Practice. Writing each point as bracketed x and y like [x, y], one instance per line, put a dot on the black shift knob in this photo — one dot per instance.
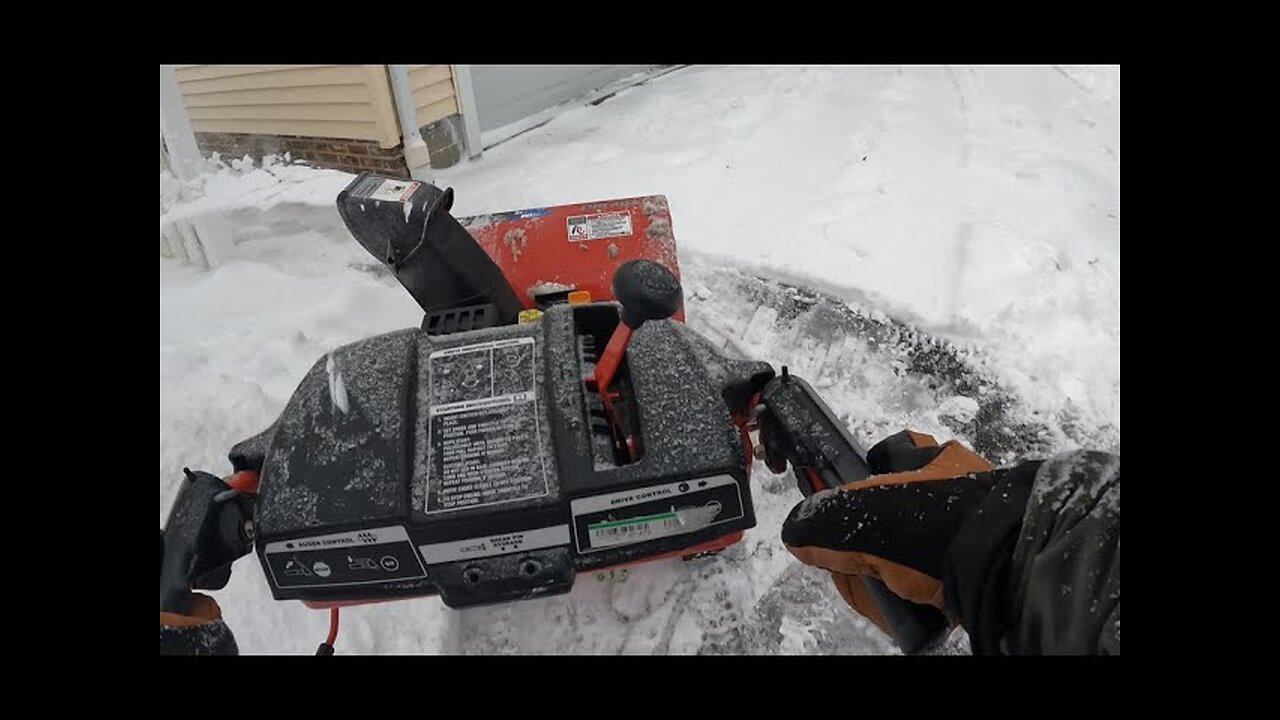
[647, 291]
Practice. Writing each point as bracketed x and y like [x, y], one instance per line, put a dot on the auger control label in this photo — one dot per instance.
[635, 516]
[485, 435]
[352, 558]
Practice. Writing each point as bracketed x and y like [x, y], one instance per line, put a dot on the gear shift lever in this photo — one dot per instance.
[647, 291]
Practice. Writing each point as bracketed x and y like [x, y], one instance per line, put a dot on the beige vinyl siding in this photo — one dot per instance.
[433, 93]
[330, 101]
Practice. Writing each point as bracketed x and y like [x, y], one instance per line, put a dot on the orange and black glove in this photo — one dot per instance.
[197, 631]
[937, 524]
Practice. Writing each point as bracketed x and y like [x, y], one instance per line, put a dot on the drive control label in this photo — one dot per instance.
[635, 516]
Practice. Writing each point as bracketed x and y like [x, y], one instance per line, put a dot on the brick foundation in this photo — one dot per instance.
[353, 156]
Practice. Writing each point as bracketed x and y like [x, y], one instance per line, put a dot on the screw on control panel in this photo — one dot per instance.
[530, 567]
[472, 575]
[248, 530]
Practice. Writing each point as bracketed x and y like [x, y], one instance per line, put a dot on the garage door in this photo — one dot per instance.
[507, 93]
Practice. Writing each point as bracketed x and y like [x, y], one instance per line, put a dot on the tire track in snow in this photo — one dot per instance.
[965, 231]
[1087, 90]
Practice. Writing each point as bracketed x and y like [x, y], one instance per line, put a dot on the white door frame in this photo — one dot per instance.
[466, 95]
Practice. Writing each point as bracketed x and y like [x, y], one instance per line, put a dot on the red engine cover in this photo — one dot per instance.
[576, 246]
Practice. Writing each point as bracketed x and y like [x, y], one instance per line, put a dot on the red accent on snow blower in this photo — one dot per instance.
[245, 481]
[815, 481]
[577, 246]
[612, 355]
[332, 604]
[605, 370]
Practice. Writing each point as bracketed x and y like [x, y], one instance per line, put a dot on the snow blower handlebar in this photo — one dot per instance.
[798, 428]
[209, 527]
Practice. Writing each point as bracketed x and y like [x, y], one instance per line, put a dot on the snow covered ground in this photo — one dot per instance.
[976, 208]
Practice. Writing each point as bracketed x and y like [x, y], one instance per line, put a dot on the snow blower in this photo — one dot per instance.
[552, 415]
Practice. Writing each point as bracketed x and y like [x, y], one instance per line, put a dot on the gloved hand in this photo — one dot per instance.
[199, 631]
[906, 525]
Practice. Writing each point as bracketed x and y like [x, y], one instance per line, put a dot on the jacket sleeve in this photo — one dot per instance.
[1036, 570]
[1066, 565]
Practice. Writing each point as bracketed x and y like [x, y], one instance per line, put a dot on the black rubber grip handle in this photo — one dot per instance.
[647, 291]
[914, 627]
[806, 431]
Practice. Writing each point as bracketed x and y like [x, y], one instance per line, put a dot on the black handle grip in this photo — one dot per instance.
[804, 430]
[647, 291]
[914, 627]
[205, 533]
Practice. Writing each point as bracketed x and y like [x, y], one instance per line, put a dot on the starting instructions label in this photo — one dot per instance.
[486, 442]
[599, 225]
[635, 516]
